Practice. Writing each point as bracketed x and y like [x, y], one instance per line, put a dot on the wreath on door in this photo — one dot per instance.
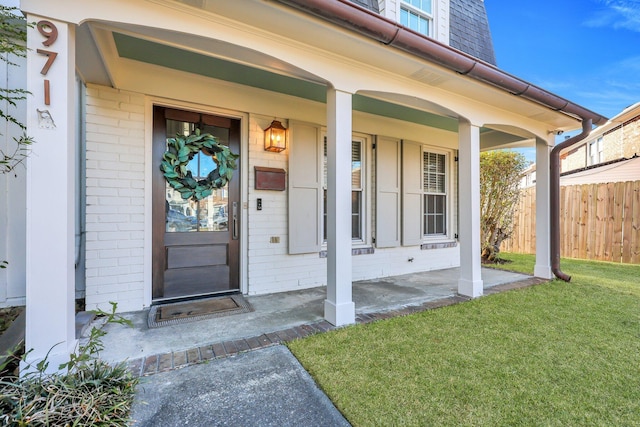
[180, 151]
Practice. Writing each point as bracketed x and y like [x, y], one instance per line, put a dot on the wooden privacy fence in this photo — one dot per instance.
[597, 222]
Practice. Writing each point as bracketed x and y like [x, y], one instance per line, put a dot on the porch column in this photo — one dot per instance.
[470, 282]
[543, 220]
[50, 275]
[339, 308]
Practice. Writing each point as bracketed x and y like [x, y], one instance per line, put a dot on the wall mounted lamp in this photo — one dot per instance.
[275, 137]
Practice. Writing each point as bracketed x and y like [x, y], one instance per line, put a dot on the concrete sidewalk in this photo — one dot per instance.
[231, 371]
[266, 387]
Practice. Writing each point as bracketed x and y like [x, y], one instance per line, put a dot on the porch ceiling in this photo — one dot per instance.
[103, 49]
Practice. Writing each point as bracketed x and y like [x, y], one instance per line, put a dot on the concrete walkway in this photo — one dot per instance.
[231, 371]
[281, 317]
[266, 387]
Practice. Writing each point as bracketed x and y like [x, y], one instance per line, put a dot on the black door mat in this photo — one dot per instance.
[190, 311]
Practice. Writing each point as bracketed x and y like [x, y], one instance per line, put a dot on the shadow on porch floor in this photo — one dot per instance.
[284, 316]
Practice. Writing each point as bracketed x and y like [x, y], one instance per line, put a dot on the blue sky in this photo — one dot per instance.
[587, 51]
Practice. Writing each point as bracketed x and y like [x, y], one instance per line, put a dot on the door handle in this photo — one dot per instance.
[234, 216]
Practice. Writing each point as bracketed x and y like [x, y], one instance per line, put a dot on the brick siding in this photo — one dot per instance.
[115, 185]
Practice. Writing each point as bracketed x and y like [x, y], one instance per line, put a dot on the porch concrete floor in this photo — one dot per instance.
[282, 312]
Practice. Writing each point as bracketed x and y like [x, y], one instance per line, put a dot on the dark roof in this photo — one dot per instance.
[369, 4]
[469, 29]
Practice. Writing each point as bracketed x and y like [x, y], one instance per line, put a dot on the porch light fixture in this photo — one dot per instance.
[275, 137]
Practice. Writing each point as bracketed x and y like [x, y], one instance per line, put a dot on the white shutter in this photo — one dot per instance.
[305, 188]
[411, 193]
[387, 192]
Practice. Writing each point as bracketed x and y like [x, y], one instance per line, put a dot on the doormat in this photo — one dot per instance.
[190, 311]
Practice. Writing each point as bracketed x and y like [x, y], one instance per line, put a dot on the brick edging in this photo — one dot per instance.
[164, 362]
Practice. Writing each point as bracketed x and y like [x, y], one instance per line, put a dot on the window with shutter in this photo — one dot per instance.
[357, 189]
[434, 177]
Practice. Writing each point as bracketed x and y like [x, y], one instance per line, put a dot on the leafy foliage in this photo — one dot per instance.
[180, 151]
[500, 174]
[91, 392]
[13, 43]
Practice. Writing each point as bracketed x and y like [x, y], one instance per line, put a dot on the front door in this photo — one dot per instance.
[195, 244]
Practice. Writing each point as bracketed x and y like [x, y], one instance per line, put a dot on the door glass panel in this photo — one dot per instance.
[209, 214]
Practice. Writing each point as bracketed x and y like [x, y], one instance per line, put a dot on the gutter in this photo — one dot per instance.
[352, 17]
[355, 18]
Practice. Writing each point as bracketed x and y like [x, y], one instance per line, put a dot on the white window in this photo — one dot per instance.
[417, 15]
[595, 151]
[358, 148]
[434, 206]
[427, 213]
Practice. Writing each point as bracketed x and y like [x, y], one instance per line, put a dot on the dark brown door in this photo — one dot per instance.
[195, 244]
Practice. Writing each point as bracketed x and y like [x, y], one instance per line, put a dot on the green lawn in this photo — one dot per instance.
[557, 354]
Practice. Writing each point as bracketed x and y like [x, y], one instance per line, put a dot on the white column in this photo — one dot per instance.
[543, 220]
[50, 275]
[470, 282]
[339, 308]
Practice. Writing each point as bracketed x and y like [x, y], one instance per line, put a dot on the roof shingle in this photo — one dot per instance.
[469, 29]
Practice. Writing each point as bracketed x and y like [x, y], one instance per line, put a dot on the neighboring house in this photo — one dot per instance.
[399, 115]
[618, 139]
[621, 170]
[528, 176]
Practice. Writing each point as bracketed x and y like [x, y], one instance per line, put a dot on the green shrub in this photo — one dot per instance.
[90, 392]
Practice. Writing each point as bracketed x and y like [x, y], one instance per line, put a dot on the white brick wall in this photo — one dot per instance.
[272, 269]
[115, 198]
[115, 215]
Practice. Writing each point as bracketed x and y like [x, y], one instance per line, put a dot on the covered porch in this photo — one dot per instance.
[284, 316]
[329, 84]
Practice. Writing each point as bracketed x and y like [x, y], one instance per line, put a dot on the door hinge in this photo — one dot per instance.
[373, 146]
[455, 159]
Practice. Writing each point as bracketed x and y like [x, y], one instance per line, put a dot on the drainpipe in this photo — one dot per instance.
[554, 208]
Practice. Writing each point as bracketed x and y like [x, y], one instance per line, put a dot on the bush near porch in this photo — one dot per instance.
[553, 354]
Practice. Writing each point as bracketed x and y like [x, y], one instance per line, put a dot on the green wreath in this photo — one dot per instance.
[180, 151]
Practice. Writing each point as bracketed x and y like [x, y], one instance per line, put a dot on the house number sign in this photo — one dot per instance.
[50, 33]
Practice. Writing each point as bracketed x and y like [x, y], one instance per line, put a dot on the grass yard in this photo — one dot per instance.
[557, 354]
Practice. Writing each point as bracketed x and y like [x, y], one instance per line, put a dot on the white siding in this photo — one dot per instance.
[12, 195]
[389, 9]
[441, 18]
[115, 198]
